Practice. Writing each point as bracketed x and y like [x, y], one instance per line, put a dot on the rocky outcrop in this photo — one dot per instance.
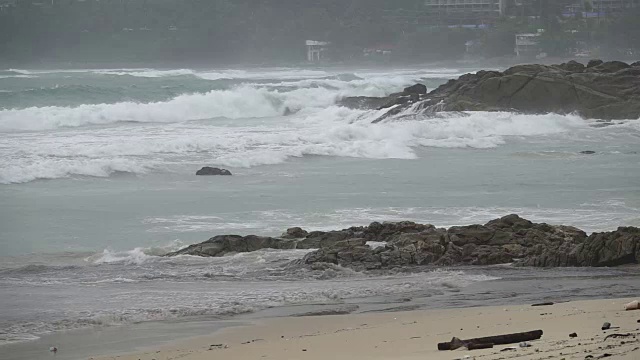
[213, 171]
[409, 95]
[614, 248]
[226, 244]
[510, 239]
[600, 90]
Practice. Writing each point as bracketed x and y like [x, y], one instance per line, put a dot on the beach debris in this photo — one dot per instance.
[218, 346]
[606, 326]
[573, 335]
[587, 152]
[53, 349]
[513, 338]
[252, 341]
[543, 304]
[615, 336]
[474, 346]
[525, 344]
[604, 356]
[510, 348]
[634, 305]
[304, 349]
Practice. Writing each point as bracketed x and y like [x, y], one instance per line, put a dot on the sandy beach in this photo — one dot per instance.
[415, 335]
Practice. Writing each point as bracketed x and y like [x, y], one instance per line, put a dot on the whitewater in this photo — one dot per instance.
[97, 182]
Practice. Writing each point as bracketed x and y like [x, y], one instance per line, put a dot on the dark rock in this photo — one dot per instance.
[419, 89]
[588, 152]
[573, 335]
[594, 63]
[228, 244]
[320, 239]
[610, 249]
[510, 239]
[609, 67]
[213, 171]
[572, 66]
[295, 233]
[607, 90]
[363, 102]
[606, 326]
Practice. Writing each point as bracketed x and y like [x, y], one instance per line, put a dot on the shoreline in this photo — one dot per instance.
[415, 334]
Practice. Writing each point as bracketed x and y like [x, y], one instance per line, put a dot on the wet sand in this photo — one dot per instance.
[415, 335]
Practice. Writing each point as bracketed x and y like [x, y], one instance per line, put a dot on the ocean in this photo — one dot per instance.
[97, 182]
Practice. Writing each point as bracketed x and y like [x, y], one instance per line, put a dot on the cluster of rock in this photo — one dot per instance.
[510, 239]
[599, 90]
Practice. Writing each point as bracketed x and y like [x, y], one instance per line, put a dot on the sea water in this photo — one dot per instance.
[97, 182]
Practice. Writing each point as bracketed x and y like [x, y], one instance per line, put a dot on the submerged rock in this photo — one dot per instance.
[213, 171]
[510, 239]
[601, 90]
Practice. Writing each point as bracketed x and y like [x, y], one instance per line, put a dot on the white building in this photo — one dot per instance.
[315, 49]
[597, 8]
[477, 7]
[528, 45]
[613, 5]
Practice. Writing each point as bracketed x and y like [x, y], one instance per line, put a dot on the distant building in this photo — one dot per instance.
[528, 45]
[470, 7]
[461, 13]
[599, 8]
[315, 50]
[378, 51]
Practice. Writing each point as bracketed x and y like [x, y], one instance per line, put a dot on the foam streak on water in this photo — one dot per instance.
[134, 286]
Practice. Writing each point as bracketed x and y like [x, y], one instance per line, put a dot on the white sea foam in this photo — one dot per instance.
[332, 131]
[54, 168]
[148, 73]
[142, 303]
[136, 256]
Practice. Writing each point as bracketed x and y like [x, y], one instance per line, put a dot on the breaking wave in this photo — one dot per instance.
[332, 131]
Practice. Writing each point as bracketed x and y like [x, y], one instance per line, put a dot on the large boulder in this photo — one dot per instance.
[209, 171]
[419, 89]
[601, 90]
[610, 249]
[594, 63]
[295, 233]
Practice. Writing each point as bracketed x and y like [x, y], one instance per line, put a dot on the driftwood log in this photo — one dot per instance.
[479, 346]
[514, 338]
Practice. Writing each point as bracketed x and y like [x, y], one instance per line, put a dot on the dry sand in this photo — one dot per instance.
[415, 335]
